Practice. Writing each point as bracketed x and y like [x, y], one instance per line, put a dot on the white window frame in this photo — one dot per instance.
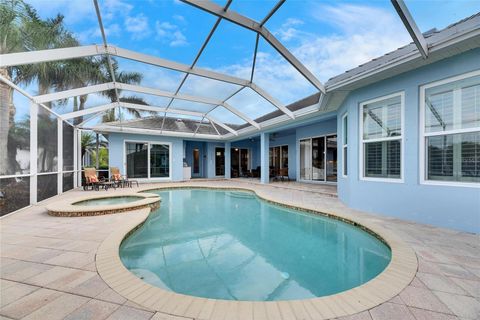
[423, 135]
[344, 145]
[149, 143]
[361, 171]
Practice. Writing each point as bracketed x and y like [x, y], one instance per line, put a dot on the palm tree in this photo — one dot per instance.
[122, 77]
[89, 140]
[21, 29]
[77, 73]
[12, 14]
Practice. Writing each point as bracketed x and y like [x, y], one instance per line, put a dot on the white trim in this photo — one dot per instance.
[33, 152]
[361, 172]
[153, 132]
[422, 134]
[16, 176]
[84, 112]
[344, 145]
[48, 173]
[75, 157]
[73, 92]
[411, 26]
[79, 157]
[149, 143]
[60, 156]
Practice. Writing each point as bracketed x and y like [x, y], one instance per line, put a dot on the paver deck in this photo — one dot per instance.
[48, 268]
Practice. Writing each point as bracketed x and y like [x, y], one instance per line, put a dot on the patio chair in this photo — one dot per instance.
[117, 178]
[91, 179]
[122, 181]
[283, 173]
[256, 172]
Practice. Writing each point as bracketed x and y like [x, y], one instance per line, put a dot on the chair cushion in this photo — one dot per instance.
[117, 176]
[92, 179]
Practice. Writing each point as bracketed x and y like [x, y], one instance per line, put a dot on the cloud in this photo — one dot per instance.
[137, 26]
[361, 33]
[179, 18]
[170, 33]
[93, 35]
[113, 9]
[288, 30]
[74, 11]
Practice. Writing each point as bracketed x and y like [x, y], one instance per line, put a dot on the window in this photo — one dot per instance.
[147, 160]
[381, 135]
[345, 145]
[450, 141]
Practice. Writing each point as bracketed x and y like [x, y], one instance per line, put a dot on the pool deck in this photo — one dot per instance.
[48, 267]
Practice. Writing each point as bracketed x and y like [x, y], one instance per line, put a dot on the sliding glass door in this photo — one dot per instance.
[306, 159]
[219, 161]
[147, 160]
[279, 158]
[318, 158]
[331, 158]
[240, 162]
[159, 161]
[137, 160]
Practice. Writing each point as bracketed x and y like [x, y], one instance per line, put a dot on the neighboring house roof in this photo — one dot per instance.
[172, 124]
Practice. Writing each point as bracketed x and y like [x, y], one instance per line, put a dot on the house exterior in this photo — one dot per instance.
[399, 136]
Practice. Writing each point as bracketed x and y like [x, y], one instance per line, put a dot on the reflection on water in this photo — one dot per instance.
[231, 245]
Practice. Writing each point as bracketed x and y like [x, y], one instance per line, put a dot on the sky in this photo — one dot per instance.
[329, 37]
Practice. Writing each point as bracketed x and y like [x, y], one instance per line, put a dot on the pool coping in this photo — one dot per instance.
[67, 207]
[396, 276]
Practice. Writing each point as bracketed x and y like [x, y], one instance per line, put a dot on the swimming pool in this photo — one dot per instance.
[232, 245]
[107, 201]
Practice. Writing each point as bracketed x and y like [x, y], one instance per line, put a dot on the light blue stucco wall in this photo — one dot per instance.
[446, 206]
[117, 151]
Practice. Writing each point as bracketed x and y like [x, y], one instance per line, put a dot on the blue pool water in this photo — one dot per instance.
[232, 245]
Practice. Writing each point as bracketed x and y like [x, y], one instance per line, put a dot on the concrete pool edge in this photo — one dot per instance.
[396, 276]
[69, 208]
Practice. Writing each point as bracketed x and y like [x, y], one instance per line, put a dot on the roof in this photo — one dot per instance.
[172, 124]
[432, 37]
[190, 125]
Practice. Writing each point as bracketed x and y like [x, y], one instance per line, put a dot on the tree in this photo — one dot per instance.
[12, 14]
[89, 141]
[122, 77]
[21, 29]
[78, 73]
